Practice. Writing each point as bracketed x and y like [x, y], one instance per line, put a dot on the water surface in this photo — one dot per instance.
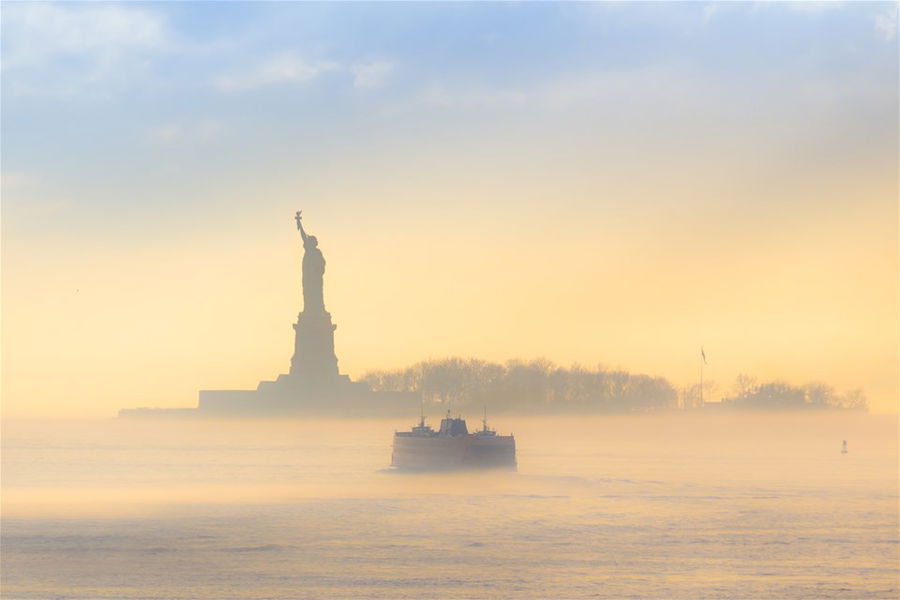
[680, 506]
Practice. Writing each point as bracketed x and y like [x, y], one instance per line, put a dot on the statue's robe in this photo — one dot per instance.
[313, 280]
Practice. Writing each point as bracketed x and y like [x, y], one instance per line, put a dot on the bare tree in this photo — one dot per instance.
[744, 385]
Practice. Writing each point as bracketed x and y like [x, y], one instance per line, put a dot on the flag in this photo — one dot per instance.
[703, 355]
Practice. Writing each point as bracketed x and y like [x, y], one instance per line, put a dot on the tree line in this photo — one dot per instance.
[540, 386]
[777, 395]
[536, 386]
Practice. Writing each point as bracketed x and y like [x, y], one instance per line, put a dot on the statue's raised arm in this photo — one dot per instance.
[298, 217]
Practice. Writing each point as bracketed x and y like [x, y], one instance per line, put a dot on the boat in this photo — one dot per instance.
[452, 447]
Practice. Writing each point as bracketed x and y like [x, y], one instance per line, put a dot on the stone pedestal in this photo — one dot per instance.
[314, 361]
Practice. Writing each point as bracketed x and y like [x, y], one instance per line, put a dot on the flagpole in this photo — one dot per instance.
[701, 377]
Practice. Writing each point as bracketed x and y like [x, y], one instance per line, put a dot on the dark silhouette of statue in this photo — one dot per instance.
[314, 384]
[314, 362]
[313, 271]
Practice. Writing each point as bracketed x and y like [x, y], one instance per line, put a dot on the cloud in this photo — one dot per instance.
[37, 32]
[285, 67]
[566, 90]
[807, 6]
[370, 74]
[72, 49]
[886, 25]
[477, 97]
[199, 131]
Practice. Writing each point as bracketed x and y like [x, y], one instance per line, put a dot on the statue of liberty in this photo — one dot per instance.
[313, 271]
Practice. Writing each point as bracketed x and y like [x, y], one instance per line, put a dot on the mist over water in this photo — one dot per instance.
[666, 506]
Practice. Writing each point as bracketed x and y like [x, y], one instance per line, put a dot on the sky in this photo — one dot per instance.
[593, 183]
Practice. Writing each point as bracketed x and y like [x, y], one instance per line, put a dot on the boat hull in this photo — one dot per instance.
[441, 453]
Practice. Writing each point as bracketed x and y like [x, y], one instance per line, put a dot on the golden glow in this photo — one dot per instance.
[799, 285]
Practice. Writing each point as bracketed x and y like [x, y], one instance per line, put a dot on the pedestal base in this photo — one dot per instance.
[314, 361]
